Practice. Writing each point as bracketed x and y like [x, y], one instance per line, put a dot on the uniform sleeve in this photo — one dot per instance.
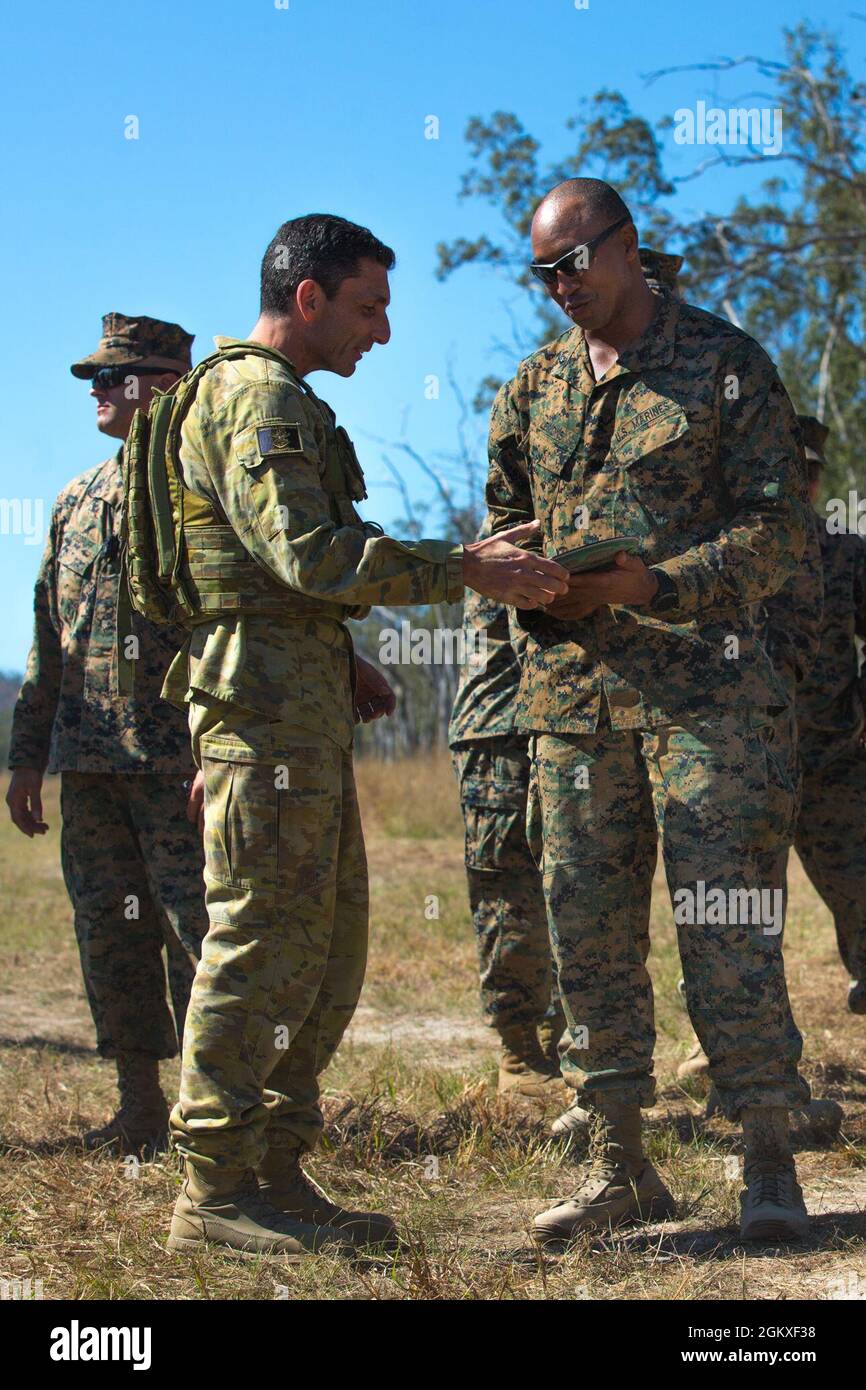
[795, 613]
[265, 456]
[35, 708]
[508, 492]
[759, 455]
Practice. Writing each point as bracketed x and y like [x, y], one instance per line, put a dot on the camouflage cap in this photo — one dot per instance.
[137, 341]
[814, 437]
[660, 267]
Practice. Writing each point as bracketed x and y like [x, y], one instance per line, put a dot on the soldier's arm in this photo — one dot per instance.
[35, 708]
[794, 614]
[759, 454]
[265, 457]
[508, 492]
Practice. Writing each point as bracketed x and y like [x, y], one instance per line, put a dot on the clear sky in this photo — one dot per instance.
[250, 113]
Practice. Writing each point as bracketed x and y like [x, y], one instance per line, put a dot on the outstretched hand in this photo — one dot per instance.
[498, 568]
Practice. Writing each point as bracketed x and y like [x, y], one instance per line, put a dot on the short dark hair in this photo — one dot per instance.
[316, 247]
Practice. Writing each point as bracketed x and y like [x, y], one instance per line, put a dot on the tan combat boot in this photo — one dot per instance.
[224, 1206]
[771, 1203]
[288, 1189]
[619, 1186]
[574, 1123]
[523, 1068]
[697, 1064]
[141, 1121]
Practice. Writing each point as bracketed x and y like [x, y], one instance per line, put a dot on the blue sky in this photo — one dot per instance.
[249, 114]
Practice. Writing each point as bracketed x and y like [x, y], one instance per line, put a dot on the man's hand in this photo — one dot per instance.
[24, 799]
[625, 581]
[195, 802]
[373, 695]
[498, 568]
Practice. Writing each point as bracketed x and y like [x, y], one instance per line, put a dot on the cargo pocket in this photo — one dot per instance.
[493, 815]
[241, 819]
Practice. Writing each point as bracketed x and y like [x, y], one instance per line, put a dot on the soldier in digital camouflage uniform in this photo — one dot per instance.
[649, 694]
[519, 996]
[274, 559]
[130, 843]
[831, 828]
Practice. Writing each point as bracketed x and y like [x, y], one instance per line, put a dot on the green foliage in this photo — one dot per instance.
[787, 264]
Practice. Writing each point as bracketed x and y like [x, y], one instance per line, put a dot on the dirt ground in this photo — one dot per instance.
[413, 1123]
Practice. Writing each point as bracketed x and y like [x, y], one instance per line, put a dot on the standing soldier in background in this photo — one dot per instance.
[130, 839]
[831, 829]
[519, 993]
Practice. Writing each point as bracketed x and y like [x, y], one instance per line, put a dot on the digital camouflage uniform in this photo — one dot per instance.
[491, 760]
[278, 559]
[831, 828]
[132, 862]
[658, 717]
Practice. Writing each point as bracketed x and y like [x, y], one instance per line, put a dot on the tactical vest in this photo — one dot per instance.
[183, 562]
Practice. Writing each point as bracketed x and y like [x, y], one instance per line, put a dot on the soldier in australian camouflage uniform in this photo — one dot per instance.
[831, 828]
[519, 995]
[649, 694]
[130, 840]
[275, 559]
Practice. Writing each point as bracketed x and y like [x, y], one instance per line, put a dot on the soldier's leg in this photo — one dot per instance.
[118, 933]
[505, 891]
[292, 1094]
[508, 912]
[784, 785]
[173, 855]
[713, 787]
[597, 838]
[598, 826]
[273, 821]
[831, 842]
[273, 959]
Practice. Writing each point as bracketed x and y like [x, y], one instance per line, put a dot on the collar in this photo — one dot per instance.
[220, 343]
[654, 348]
[107, 483]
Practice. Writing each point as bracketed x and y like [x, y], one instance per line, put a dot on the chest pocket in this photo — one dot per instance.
[77, 563]
[645, 477]
[344, 479]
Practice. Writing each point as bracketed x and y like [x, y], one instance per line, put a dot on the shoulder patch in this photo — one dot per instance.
[279, 439]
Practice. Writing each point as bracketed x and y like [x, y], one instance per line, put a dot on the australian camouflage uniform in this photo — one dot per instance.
[658, 717]
[272, 558]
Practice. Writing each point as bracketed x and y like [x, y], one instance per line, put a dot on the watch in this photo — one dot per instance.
[667, 595]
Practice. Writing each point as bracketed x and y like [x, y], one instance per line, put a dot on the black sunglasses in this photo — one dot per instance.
[106, 378]
[577, 260]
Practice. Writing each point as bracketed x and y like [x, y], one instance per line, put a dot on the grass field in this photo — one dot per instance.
[414, 1126]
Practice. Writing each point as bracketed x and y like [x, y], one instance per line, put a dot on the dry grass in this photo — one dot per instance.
[413, 1123]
